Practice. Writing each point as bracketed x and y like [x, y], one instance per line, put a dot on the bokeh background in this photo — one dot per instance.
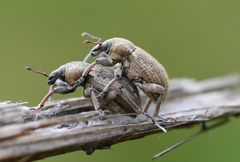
[198, 39]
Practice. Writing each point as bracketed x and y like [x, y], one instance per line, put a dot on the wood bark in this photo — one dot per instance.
[71, 124]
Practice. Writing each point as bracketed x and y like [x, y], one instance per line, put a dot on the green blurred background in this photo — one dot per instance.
[191, 38]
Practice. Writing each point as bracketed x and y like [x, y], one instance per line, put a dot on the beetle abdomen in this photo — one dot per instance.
[143, 66]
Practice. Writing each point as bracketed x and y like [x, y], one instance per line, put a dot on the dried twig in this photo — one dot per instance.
[70, 124]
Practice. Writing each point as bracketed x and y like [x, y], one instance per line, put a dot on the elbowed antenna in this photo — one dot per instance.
[88, 56]
[96, 41]
[92, 42]
[36, 71]
[90, 36]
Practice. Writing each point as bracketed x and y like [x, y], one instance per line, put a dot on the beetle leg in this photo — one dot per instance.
[106, 98]
[118, 75]
[138, 110]
[106, 89]
[158, 104]
[61, 89]
[102, 61]
[88, 69]
[94, 99]
[105, 62]
[44, 100]
[50, 98]
[97, 104]
[64, 89]
[85, 73]
[151, 88]
[146, 106]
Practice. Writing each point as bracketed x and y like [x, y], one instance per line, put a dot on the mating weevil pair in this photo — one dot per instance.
[124, 97]
[134, 63]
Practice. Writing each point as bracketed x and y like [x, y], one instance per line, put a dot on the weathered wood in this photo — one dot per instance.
[71, 124]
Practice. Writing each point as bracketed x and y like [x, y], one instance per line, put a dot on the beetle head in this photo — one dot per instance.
[57, 74]
[69, 72]
[117, 49]
[101, 47]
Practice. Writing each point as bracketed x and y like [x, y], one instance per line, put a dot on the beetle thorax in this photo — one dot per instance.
[73, 71]
[121, 48]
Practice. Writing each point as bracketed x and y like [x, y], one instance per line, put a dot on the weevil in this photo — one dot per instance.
[63, 78]
[123, 98]
[136, 64]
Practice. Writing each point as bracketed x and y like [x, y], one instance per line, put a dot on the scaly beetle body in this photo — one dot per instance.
[137, 65]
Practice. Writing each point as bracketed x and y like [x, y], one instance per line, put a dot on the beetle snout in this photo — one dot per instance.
[95, 51]
[51, 80]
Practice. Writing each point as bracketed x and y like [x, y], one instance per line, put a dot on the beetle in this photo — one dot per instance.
[136, 64]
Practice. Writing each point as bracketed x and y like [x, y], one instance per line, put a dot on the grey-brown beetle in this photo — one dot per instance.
[123, 97]
[137, 65]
